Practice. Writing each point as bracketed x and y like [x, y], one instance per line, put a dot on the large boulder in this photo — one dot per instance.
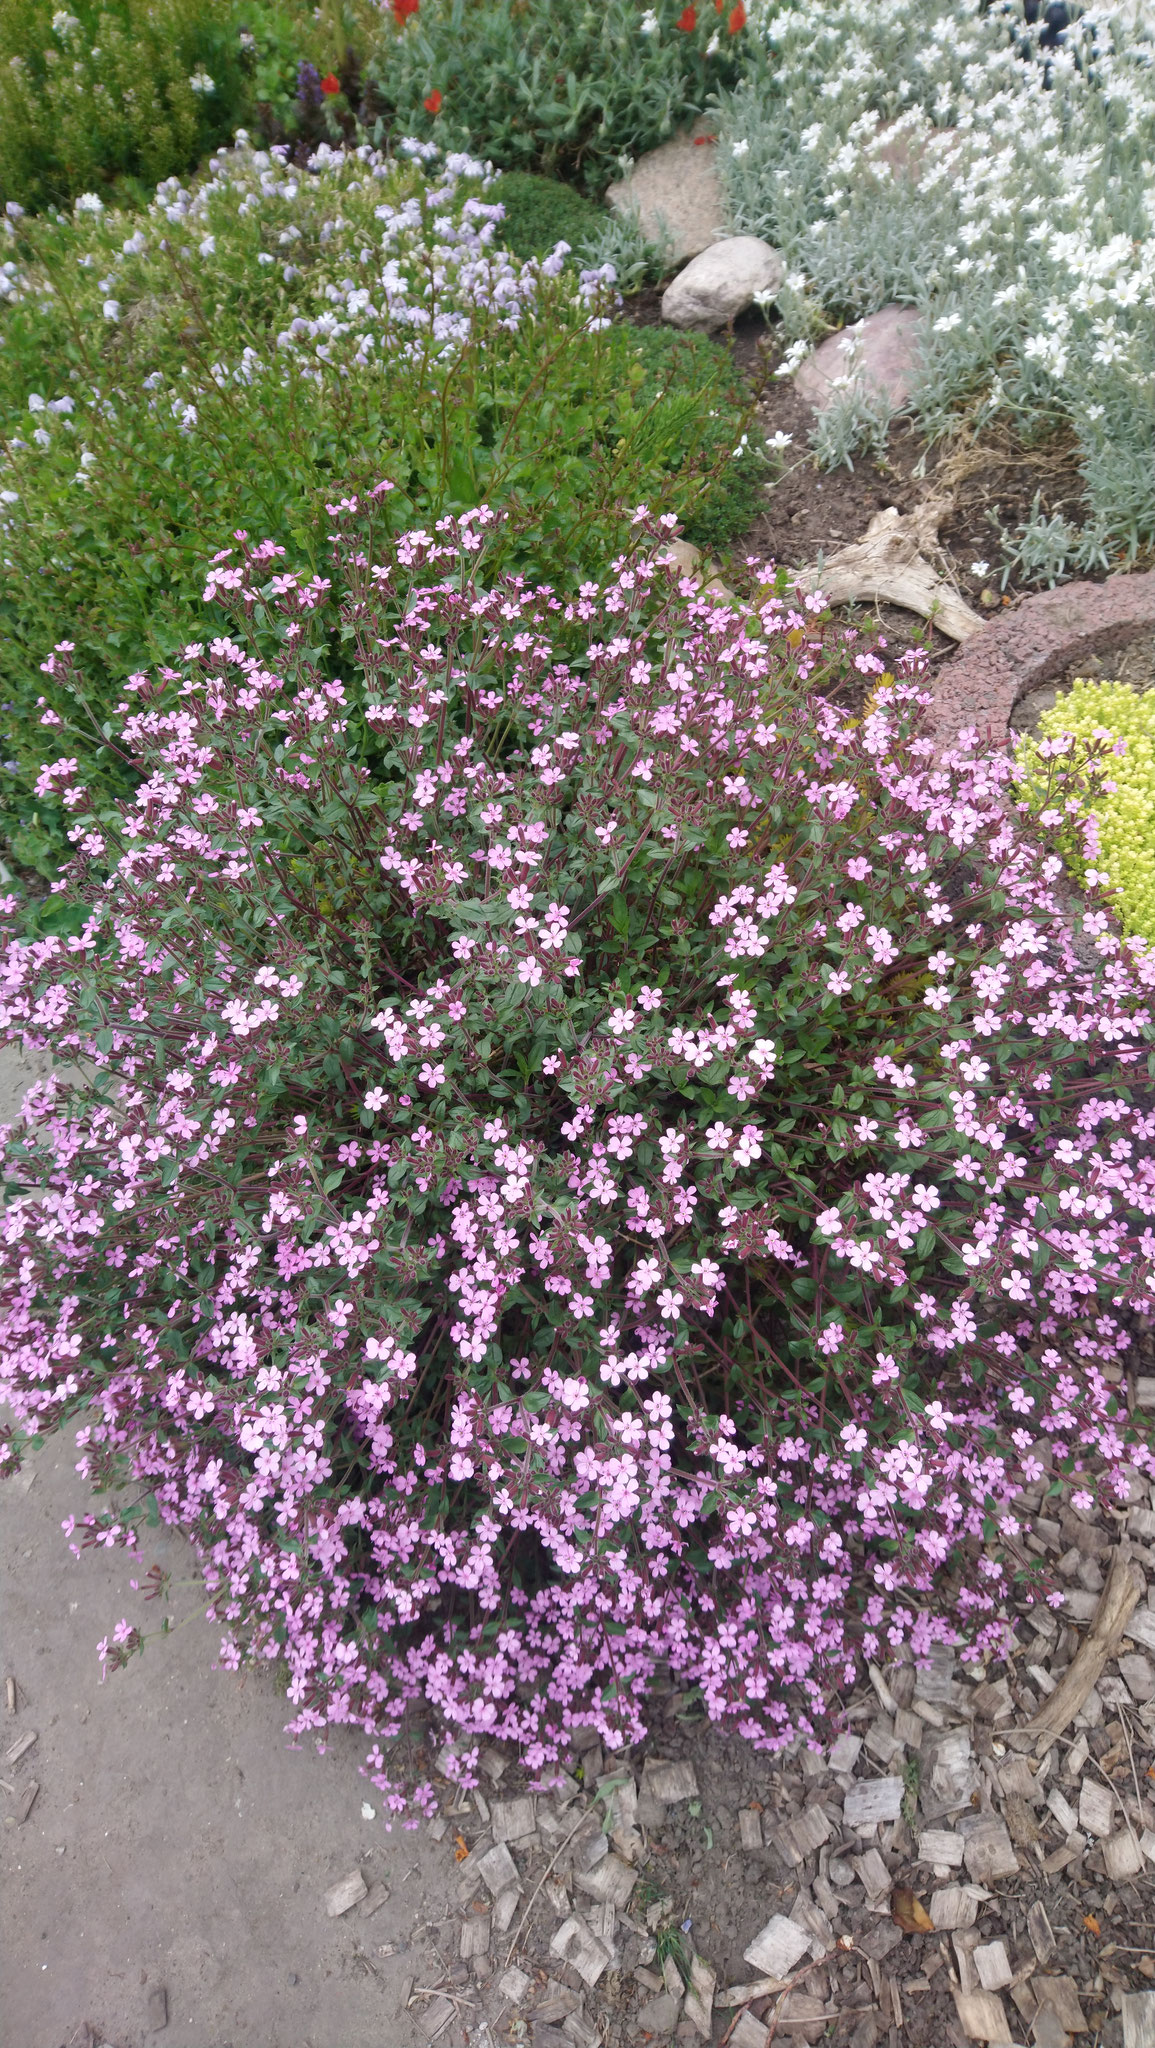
[675, 191]
[721, 282]
[881, 353]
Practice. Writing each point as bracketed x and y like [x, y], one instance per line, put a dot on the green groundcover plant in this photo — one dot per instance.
[576, 88]
[541, 212]
[1104, 732]
[592, 1165]
[998, 177]
[223, 357]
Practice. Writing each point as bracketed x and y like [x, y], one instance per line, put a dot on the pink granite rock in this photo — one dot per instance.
[1040, 639]
[676, 188]
[887, 359]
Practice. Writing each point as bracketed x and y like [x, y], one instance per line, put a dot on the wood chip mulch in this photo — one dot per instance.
[972, 1858]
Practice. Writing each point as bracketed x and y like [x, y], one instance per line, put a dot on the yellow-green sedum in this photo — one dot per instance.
[1112, 730]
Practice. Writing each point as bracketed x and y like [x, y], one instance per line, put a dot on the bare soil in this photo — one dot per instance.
[993, 481]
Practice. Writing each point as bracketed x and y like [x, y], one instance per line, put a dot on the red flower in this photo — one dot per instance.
[402, 9]
[688, 19]
[718, 6]
[433, 103]
[330, 83]
[737, 19]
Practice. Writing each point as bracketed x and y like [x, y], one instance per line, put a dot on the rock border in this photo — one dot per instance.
[1036, 642]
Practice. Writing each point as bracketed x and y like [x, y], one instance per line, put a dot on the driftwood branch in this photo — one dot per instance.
[890, 565]
[1116, 1602]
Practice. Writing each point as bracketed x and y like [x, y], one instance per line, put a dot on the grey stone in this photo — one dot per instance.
[676, 193]
[883, 349]
[721, 282]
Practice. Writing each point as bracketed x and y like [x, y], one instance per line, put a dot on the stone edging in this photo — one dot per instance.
[1042, 638]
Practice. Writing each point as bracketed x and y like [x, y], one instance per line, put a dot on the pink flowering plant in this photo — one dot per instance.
[591, 1161]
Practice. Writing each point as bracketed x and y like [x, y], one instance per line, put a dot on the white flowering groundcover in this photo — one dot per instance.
[947, 159]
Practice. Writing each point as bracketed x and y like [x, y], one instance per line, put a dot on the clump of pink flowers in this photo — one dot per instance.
[594, 1161]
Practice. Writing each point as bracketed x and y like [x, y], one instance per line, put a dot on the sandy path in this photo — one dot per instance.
[176, 1841]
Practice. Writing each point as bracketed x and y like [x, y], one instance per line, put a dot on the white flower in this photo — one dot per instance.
[35, 402]
[112, 309]
[9, 497]
[649, 23]
[740, 149]
[980, 568]
[779, 441]
[88, 202]
[209, 246]
[201, 82]
[64, 24]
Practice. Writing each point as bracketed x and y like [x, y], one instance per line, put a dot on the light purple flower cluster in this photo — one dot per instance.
[597, 1163]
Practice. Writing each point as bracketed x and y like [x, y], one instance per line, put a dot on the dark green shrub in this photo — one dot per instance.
[677, 366]
[570, 88]
[540, 212]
